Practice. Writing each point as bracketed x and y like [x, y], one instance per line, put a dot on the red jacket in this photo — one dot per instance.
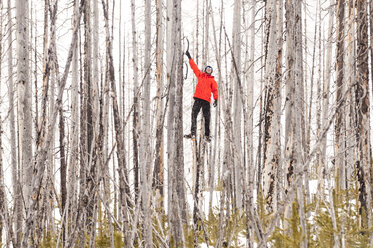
[206, 84]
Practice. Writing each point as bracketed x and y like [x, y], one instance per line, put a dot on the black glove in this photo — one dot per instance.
[188, 54]
[216, 103]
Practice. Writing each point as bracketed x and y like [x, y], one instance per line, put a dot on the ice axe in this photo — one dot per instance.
[186, 74]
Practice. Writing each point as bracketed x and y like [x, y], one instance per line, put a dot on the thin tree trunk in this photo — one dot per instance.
[135, 100]
[236, 33]
[145, 134]
[24, 96]
[289, 94]
[63, 168]
[171, 88]
[310, 104]
[74, 138]
[325, 112]
[158, 177]
[13, 146]
[340, 139]
[2, 184]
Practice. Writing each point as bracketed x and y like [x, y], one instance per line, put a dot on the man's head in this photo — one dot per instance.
[208, 70]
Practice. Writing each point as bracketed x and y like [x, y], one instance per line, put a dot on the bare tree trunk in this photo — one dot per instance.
[340, 138]
[74, 138]
[158, 177]
[293, 112]
[171, 89]
[178, 206]
[250, 78]
[325, 112]
[236, 33]
[363, 133]
[289, 94]
[3, 200]
[24, 96]
[16, 186]
[135, 100]
[63, 169]
[310, 104]
[350, 79]
[271, 126]
[145, 134]
[319, 169]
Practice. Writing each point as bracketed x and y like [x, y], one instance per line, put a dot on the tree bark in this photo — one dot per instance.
[24, 97]
[2, 184]
[74, 138]
[16, 186]
[158, 177]
[171, 89]
[236, 34]
[271, 126]
[135, 100]
[340, 138]
[363, 134]
[145, 134]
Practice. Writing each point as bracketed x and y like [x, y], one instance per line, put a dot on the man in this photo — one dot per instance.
[202, 97]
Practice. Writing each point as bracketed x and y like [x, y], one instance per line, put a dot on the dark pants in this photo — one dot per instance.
[205, 105]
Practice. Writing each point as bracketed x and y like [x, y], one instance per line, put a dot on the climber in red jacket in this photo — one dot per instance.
[202, 97]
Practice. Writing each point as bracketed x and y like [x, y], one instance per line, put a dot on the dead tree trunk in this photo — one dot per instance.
[158, 177]
[16, 186]
[362, 100]
[145, 134]
[271, 114]
[135, 100]
[3, 200]
[236, 33]
[24, 97]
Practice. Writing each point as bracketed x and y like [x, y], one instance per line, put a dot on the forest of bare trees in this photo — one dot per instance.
[96, 97]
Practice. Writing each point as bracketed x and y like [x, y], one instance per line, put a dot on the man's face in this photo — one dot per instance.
[208, 70]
